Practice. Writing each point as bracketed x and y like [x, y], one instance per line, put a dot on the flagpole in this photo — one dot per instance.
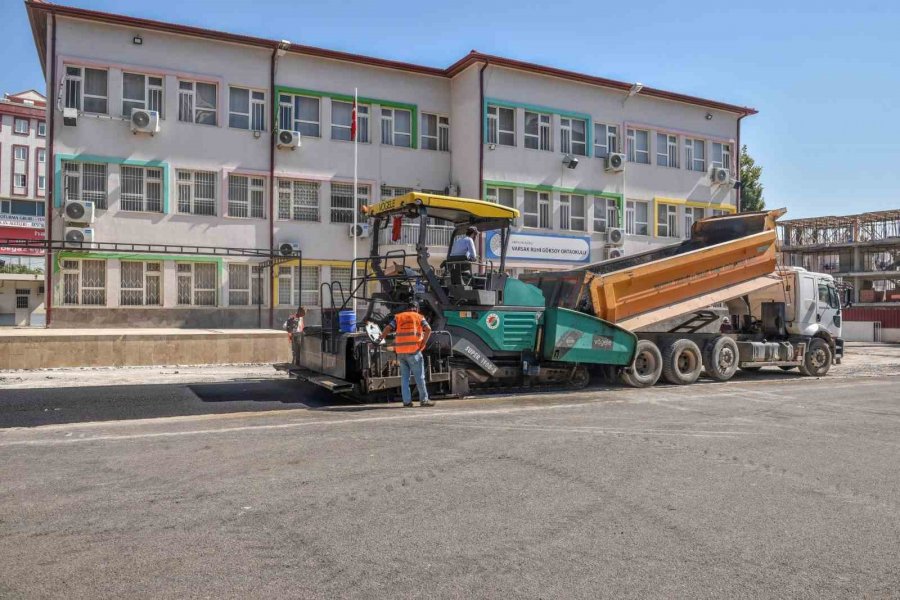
[355, 189]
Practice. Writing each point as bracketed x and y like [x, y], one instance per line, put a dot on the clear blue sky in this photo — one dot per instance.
[823, 74]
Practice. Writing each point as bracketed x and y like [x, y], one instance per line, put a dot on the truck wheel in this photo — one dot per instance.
[682, 362]
[817, 360]
[720, 359]
[581, 377]
[646, 368]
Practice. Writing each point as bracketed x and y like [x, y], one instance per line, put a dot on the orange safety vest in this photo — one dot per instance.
[410, 336]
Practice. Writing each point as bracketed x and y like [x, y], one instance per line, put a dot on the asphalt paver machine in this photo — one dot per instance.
[490, 330]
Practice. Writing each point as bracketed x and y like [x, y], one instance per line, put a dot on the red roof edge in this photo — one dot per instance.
[39, 30]
[501, 61]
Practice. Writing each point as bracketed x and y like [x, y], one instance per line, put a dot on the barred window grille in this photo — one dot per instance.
[84, 282]
[392, 191]
[246, 196]
[310, 294]
[285, 286]
[238, 285]
[85, 181]
[141, 189]
[184, 284]
[197, 192]
[342, 202]
[140, 284]
[298, 200]
[564, 212]
[196, 284]
[205, 284]
[341, 281]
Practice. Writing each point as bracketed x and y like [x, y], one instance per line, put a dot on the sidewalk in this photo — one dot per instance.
[54, 348]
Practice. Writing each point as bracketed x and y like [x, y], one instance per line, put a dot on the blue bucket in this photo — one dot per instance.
[347, 321]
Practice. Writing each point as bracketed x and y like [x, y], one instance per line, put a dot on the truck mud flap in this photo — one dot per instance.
[465, 348]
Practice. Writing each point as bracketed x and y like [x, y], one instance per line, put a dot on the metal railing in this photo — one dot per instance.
[437, 237]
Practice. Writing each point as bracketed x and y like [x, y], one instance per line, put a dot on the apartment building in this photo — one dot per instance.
[23, 189]
[544, 140]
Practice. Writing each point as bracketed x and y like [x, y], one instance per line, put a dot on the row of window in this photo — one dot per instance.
[28, 208]
[301, 113]
[20, 170]
[22, 126]
[537, 135]
[198, 193]
[573, 214]
[86, 89]
[84, 283]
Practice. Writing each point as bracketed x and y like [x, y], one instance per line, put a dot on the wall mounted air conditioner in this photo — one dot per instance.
[144, 121]
[615, 236]
[720, 176]
[612, 253]
[79, 211]
[288, 139]
[70, 117]
[615, 162]
[360, 230]
[79, 237]
[288, 248]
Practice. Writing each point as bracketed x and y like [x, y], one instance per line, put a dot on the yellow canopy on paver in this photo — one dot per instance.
[449, 208]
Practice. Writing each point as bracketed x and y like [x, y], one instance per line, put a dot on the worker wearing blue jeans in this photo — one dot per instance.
[412, 333]
[413, 364]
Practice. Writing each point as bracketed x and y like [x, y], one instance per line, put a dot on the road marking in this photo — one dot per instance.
[602, 430]
[677, 394]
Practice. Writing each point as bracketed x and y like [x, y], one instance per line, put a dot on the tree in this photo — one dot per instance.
[751, 187]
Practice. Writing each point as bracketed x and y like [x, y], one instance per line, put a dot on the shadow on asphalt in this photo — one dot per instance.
[49, 406]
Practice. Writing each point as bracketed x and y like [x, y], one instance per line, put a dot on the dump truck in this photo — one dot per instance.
[715, 302]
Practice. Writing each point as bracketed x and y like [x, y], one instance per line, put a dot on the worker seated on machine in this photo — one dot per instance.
[462, 256]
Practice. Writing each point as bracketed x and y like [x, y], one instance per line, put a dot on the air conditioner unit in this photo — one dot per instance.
[288, 139]
[452, 190]
[360, 230]
[79, 211]
[615, 236]
[615, 162]
[288, 248]
[144, 121]
[70, 117]
[720, 176]
[79, 237]
[612, 253]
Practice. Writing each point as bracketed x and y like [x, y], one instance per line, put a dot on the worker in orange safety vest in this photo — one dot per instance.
[412, 333]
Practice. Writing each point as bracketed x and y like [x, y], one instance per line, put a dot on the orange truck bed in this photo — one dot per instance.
[722, 252]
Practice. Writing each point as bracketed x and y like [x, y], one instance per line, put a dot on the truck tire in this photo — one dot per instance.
[682, 362]
[646, 368]
[817, 360]
[720, 358]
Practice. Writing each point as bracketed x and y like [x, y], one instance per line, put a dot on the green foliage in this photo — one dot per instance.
[21, 270]
[751, 186]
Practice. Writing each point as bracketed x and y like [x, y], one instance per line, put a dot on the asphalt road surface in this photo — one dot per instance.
[783, 487]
